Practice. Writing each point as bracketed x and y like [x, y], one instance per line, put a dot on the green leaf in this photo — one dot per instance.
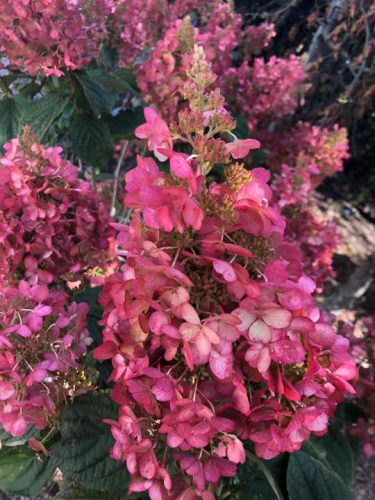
[125, 75]
[24, 472]
[10, 114]
[7, 439]
[91, 95]
[83, 451]
[338, 453]
[268, 489]
[122, 125]
[91, 140]
[41, 114]
[116, 84]
[255, 476]
[76, 491]
[314, 446]
[110, 57]
[311, 479]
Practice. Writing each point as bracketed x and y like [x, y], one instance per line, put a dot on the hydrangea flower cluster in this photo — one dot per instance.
[163, 73]
[272, 92]
[53, 225]
[363, 350]
[54, 231]
[308, 154]
[142, 23]
[41, 338]
[266, 91]
[313, 153]
[210, 324]
[317, 239]
[221, 32]
[47, 36]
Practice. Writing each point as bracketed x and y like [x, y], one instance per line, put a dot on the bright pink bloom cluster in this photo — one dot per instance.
[210, 324]
[266, 90]
[54, 230]
[308, 154]
[317, 238]
[53, 225]
[142, 23]
[363, 350]
[263, 92]
[47, 36]
[41, 339]
[312, 153]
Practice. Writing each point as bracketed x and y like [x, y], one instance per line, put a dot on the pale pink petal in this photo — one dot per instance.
[260, 332]
[203, 344]
[6, 390]
[225, 269]
[277, 317]
[187, 312]
[245, 317]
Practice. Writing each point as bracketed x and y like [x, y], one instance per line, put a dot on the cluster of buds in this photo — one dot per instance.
[163, 73]
[210, 324]
[53, 225]
[41, 338]
[220, 32]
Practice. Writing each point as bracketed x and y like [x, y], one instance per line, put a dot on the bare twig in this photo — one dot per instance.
[116, 178]
[93, 178]
[325, 28]
[364, 62]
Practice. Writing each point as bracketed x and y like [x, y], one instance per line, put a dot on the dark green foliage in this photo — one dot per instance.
[91, 140]
[24, 472]
[10, 114]
[83, 451]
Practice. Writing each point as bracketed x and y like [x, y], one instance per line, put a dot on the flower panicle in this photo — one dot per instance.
[210, 324]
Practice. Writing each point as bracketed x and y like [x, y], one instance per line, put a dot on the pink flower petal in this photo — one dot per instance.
[180, 167]
[6, 390]
[260, 332]
[277, 317]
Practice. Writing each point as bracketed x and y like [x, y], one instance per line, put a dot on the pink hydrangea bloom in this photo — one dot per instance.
[53, 225]
[42, 337]
[48, 36]
[211, 305]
